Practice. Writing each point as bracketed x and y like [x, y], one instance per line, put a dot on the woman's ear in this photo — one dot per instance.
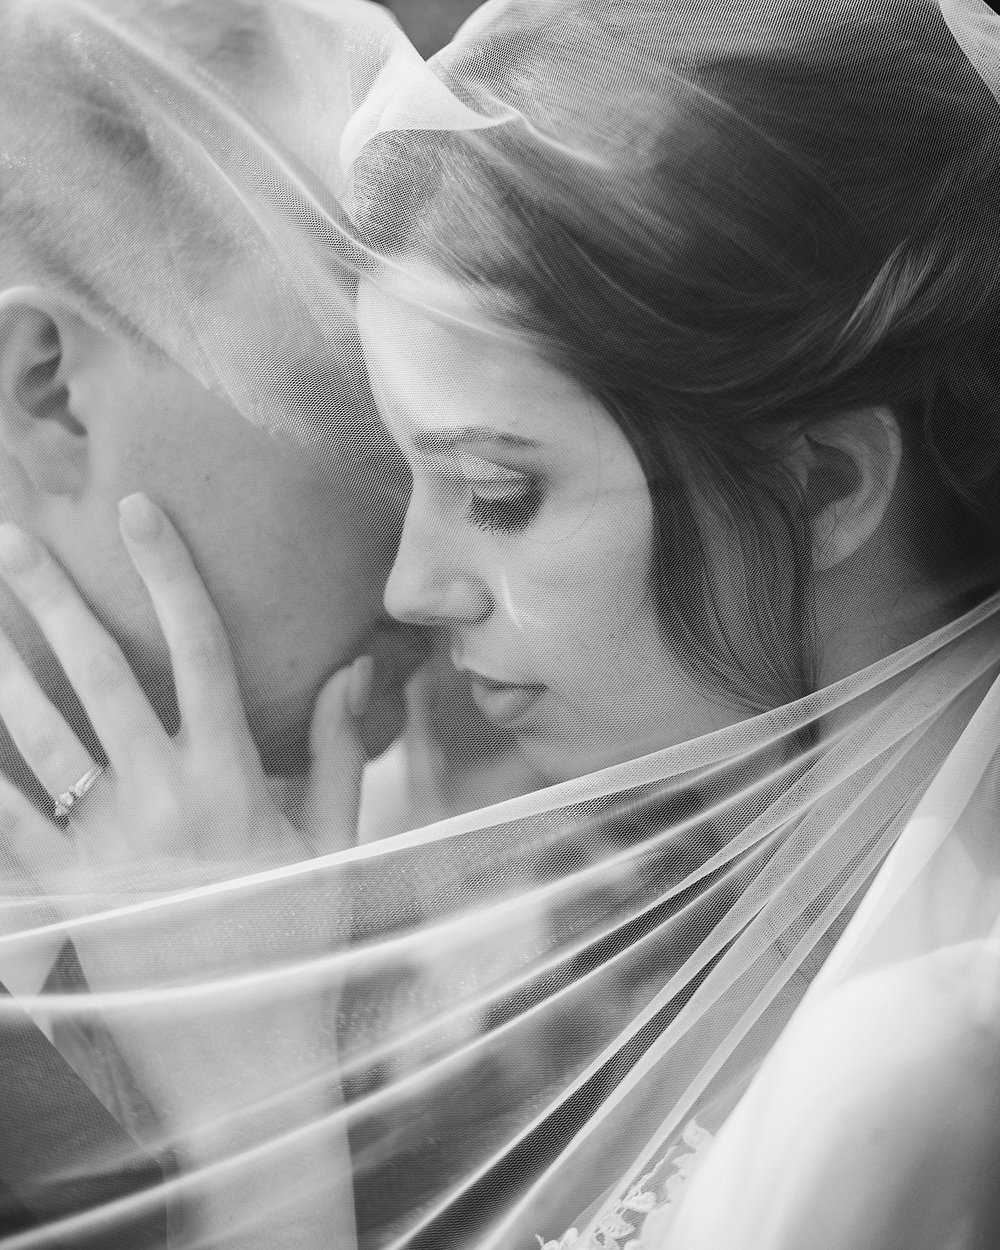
[43, 343]
[847, 468]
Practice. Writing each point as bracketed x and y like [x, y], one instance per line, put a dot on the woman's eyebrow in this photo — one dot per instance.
[439, 441]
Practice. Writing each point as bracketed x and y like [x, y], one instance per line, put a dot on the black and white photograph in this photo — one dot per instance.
[499, 625]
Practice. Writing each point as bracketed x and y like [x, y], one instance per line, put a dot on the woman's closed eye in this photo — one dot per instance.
[500, 498]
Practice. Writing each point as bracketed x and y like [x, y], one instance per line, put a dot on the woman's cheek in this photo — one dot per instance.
[577, 579]
[542, 601]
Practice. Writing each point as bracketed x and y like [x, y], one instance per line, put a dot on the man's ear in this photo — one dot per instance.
[847, 468]
[44, 342]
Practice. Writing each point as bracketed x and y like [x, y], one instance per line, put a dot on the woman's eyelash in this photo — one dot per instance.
[504, 503]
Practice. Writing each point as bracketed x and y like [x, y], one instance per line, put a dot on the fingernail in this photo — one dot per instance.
[141, 519]
[18, 551]
[359, 687]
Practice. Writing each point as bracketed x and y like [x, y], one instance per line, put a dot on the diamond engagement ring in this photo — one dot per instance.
[69, 798]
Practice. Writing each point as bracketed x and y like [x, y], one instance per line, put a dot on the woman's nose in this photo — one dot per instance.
[430, 583]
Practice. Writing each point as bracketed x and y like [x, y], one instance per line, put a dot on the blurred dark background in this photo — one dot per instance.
[431, 23]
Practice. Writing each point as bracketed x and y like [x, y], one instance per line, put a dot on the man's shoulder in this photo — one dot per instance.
[61, 1150]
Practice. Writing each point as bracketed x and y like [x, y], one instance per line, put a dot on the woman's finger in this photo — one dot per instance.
[104, 682]
[49, 747]
[208, 692]
[338, 758]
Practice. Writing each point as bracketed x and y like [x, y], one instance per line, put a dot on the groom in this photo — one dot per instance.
[92, 410]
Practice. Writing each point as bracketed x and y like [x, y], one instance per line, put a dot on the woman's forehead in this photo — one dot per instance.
[449, 371]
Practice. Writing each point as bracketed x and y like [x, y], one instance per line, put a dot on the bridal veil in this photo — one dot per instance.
[549, 998]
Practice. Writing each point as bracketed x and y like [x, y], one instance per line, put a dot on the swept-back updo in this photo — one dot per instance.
[754, 215]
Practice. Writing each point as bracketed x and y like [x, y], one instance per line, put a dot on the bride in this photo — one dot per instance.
[684, 321]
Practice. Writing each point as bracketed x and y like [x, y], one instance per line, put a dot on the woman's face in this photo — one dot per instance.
[528, 539]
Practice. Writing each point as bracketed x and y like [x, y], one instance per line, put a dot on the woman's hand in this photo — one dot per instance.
[225, 1052]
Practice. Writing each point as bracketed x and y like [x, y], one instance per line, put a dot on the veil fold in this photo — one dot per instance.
[552, 1004]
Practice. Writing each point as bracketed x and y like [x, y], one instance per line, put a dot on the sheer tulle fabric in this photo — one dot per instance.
[543, 1001]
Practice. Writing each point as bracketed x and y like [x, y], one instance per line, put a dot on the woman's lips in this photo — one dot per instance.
[502, 701]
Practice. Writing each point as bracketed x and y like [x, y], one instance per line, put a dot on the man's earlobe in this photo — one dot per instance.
[38, 428]
[847, 468]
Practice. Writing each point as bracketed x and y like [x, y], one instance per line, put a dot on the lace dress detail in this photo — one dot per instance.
[639, 1219]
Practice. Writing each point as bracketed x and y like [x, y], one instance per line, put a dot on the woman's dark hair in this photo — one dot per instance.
[786, 211]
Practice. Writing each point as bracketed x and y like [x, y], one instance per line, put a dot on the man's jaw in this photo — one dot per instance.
[398, 651]
[279, 720]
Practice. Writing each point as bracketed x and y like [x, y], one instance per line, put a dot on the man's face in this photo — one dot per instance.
[293, 555]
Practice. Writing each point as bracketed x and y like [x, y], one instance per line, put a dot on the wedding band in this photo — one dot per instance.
[69, 798]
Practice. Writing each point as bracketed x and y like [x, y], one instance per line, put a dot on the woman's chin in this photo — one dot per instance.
[562, 757]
